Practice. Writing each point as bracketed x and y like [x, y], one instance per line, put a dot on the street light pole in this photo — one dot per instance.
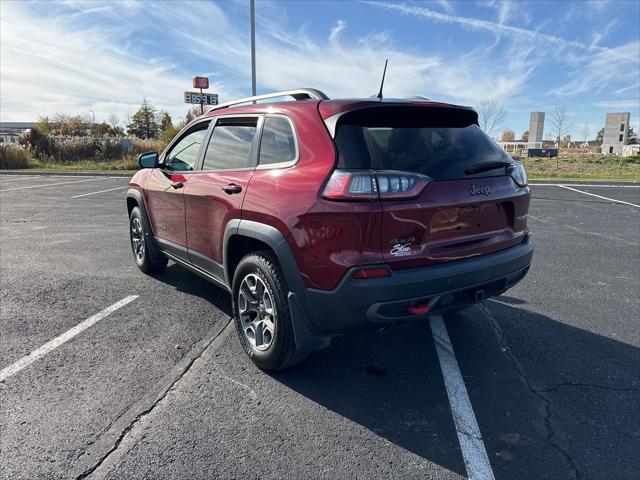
[93, 119]
[253, 47]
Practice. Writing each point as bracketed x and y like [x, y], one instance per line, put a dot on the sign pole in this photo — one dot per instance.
[253, 48]
[192, 97]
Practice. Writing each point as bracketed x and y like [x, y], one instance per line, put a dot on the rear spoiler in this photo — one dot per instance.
[410, 114]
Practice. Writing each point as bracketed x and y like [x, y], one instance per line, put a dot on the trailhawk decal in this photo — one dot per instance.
[402, 247]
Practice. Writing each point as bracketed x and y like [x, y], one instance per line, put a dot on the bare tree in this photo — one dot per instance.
[560, 124]
[508, 135]
[114, 120]
[491, 115]
[586, 132]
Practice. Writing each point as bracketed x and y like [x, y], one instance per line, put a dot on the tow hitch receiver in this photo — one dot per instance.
[419, 309]
[422, 308]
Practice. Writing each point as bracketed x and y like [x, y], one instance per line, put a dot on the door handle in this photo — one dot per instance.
[232, 188]
[177, 185]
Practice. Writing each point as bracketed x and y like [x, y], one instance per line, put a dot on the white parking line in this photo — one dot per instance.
[59, 340]
[599, 196]
[582, 185]
[474, 453]
[101, 191]
[16, 178]
[50, 185]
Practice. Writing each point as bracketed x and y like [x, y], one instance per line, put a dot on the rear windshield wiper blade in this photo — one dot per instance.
[485, 166]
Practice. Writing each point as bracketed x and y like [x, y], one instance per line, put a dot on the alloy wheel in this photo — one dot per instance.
[257, 312]
[137, 239]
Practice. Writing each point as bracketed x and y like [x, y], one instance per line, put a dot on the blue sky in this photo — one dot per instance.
[73, 56]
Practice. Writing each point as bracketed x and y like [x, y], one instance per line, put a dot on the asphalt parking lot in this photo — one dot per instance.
[159, 387]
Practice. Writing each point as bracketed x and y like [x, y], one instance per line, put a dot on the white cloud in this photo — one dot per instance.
[504, 9]
[347, 67]
[482, 25]
[617, 67]
[97, 57]
[628, 104]
[445, 5]
[48, 66]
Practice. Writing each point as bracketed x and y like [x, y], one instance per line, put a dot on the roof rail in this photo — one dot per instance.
[297, 94]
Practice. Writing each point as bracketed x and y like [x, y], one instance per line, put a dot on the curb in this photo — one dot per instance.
[582, 182]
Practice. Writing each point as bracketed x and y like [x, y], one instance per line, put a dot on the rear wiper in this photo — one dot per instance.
[484, 166]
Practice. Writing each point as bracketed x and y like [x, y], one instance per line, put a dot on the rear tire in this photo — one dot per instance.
[261, 313]
[147, 258]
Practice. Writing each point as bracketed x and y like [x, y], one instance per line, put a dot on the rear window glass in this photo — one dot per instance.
[440, 152]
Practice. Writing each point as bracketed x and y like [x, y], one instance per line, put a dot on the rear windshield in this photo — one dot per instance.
[416, 142]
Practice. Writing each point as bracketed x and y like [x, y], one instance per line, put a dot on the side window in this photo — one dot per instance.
[278, 143]
[230, 145]
[183, 155]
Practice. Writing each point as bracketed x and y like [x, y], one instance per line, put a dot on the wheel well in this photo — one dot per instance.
[237, 247]
[131, 203]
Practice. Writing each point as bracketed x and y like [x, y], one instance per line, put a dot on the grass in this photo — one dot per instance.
[590, 168]
[594, 168]
[125, 164]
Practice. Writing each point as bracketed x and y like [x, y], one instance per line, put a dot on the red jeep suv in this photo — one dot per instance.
[323, 217]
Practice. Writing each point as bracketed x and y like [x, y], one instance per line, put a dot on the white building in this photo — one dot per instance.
[10, 131]
[616, 129]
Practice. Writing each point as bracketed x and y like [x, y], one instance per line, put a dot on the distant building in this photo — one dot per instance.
[10, 131]
[536, 127]
[629, 150]
[616, 129]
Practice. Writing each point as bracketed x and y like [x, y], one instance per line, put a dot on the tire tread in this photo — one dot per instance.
[289, 355]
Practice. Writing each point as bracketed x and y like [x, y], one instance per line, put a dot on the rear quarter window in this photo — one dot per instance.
[278, 142]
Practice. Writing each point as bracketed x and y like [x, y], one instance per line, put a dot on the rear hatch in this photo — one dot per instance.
[444, 186]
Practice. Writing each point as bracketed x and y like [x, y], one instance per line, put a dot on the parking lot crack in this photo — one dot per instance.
[552, 435]
[192, 356]
[588, 385]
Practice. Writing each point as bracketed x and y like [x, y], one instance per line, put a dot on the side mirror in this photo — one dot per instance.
[148, 160]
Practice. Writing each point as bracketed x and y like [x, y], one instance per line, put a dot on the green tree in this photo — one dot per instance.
[38, 142]
[167, 135]
[165, 121]
[71, 125]
[193, 112]
[600, 136]
[44, 125]
[632, 138]
[143, 123]
[101, 130]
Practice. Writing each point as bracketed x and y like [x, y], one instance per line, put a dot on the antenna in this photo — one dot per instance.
[382, 83]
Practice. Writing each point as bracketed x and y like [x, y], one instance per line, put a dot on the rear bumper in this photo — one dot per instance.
[365, 304]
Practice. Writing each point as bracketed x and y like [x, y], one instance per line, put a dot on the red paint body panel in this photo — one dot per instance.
[327, 238]
[165, 206]
[446, 223]
[208, 210]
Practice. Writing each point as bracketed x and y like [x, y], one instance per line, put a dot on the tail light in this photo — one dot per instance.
[518, 174]
[374, 185]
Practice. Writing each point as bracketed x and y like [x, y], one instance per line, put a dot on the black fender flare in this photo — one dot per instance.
[148, 233]
[307, 340]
